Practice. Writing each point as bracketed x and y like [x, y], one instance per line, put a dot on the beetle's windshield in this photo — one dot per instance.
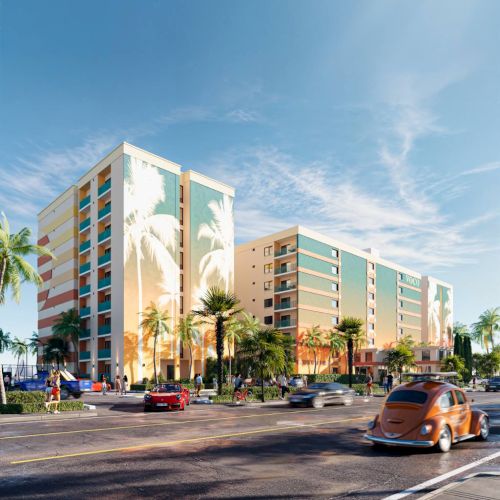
[405, 396]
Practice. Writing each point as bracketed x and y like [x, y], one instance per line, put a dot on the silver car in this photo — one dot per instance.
[320, 394]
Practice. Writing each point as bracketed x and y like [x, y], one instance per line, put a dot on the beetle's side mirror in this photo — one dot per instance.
[472, 400]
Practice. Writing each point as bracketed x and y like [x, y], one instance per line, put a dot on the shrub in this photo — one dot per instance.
[23, 397]
[37, 407]
[341, 378]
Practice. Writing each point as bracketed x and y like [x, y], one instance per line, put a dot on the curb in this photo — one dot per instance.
[38, 417]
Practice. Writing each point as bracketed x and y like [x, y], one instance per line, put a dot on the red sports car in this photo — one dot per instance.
[166, 396]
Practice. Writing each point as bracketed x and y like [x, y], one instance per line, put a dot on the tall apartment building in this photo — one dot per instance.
[298, 278]
[135, 230]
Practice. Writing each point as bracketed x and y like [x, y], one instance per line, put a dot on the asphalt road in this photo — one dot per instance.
[268, 451]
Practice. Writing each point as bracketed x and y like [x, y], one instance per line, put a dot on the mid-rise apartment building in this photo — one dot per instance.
[135, 229]
[298, 278]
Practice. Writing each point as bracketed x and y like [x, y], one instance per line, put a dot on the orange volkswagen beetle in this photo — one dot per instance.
[426, 412]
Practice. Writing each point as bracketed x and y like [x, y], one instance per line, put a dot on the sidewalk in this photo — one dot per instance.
[35, 417]
[481, 485]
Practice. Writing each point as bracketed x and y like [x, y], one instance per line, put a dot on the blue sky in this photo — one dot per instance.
[374, 122]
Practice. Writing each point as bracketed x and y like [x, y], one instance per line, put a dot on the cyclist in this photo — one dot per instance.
[238, 384]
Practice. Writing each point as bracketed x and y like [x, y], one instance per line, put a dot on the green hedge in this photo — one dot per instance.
[39, 407]
[23, 397]
[341, 378]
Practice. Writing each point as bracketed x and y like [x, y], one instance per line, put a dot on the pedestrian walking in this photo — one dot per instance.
[118, 385]
[283, 385]
[238, 384]
[198, 381]
[6, 382]
[56, 390]
[48, 392]
[385, 383]
[104, 385]
[124, 385]
[305, 380]
[474, 386]
[369, 383]
[390, 381]
[215, 383]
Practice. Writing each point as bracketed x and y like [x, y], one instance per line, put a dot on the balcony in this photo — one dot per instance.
[285, 251]
[85, 224]
[285, 288]
[104, 330]
[84, 290]
[84, 312]
[85, 268]
[85, 202]
[105, 235]
[104, 283]
[85, 333]
[84, 246]
[289, 268]
[104, 259]
[285, 305]
[104, 188]
[104, 353]
[285, 323]
[84, 355]
[104, 211]
[104, 306]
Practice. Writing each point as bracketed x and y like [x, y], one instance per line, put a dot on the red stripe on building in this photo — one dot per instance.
[44, 259]
[44, 323]
[47, 275]
[60, 299]
[42, 296]
[44, 240]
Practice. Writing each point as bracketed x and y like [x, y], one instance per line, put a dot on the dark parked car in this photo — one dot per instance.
[320, 394]
[493, 384]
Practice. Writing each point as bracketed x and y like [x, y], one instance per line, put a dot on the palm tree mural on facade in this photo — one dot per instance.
[219, 261]
[147, 234]
[434, 313]
[448, 317]
[170, 298]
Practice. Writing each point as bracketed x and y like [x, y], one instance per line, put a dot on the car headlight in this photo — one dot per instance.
[372, 423]
[426, 429]
[178, 397]
[147, 396]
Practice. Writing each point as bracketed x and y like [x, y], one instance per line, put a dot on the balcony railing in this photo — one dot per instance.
[104, 235]
[285, 305]
[104, 188]
[85, 202]
[84, 290]
[285, 269]
[104, 353]
[84, 311]
[104, 211]
[84, 355]
[85, 268]
[104, 306]
[104, 258]
[286, 323]
[84, 246]
[285, 251]
[85, 334]
[284, 288]
[85, 224]
[104, 330]
[104, 283]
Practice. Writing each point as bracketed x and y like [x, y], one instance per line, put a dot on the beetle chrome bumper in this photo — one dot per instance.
[399, 442]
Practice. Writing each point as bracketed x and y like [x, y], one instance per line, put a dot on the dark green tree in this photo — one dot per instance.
[351, 329]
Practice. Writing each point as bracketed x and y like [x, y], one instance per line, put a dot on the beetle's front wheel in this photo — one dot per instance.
[444, 442]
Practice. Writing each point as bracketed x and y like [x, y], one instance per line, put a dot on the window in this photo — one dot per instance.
[268, 302]
[401, 317]
[268, 320]
[400, 276]
[400, 332]
[181, 218]
[181, 305]
[400, 290]
[446, 400]
[426, 355]
[460, 397]
[335, 253]
[371, 342]
[335, 304]
[371, 311]
[335, 270]
[107, 344]
[181, 283]
[181, 260]
[267, 251]
[368, 357]
[181, 196]
[371, 281]
[182, 238]
[268, 268]
[404, 396]
[335, 287]
[371, 327]
[371, 296]
[401, 303]
[267, 285]
[357, 357]
[335, 320]
[371, 266]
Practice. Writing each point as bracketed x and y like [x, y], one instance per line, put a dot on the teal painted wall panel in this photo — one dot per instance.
[411, 294]
[311, 281]
[386, 300]
[314, 264]
[410, 306]
[315, 246]
[313, 299]
[353, 287]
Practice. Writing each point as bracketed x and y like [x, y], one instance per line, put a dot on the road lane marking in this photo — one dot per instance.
[442, 477]
[184, 441]
[161, 424]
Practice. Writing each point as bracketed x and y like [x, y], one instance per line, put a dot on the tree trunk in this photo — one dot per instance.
[139, 329]
[263, 397]
[350, 349]
[230, 367]
[190, 360]
[154, 356]
[219, 335]
[3, 397]
[491, 338]
[315, 361]
[2, 274]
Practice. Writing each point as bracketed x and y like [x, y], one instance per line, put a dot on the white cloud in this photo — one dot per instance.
[242, 116]
[486, 167]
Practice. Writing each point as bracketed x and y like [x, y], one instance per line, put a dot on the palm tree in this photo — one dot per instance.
[484, 330]
[68, 326]
[218, 307]
[264, 352]
[313, 339]
[4, 346]
[220, 232]
[155, 321]
[188, 332]
[353, 335]
[336, 343]
[14, 270]
[453, 363]
[146, 231]
[56, 349]
[19, 348]
[236, 329]
[398, 358]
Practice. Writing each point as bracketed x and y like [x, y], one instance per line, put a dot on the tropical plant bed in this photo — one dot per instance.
[33, 402]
